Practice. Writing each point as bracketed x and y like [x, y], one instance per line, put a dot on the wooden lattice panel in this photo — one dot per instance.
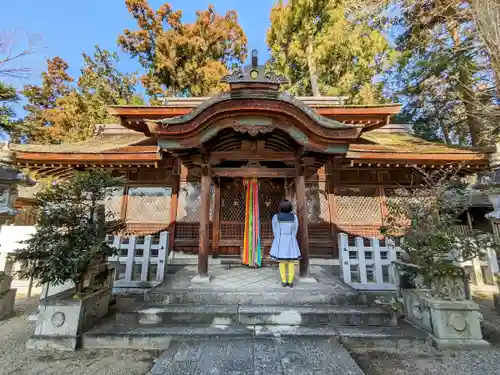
[233, 201]
[190, 231]
[358, 205]
[365, 231]
[317, 202]
[189, 202]
[319, 231]
[271, 193]
[113, 203]
[266, 231]
[149, 204]
[232, 231]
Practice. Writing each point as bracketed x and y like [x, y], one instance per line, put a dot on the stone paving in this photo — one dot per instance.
[256, 279]
[271, 356]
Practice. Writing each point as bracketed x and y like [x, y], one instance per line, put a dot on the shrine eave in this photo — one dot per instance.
[408, 159]
[369, 116]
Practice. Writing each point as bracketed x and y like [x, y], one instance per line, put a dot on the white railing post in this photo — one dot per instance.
[375, 245]
[162, 257]
[146, 255]
[130, 258]
[360, 250]
[345, 267]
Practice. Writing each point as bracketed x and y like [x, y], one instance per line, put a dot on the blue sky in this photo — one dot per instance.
[66, 28]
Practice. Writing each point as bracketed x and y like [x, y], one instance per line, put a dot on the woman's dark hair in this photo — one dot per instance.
[286, 206]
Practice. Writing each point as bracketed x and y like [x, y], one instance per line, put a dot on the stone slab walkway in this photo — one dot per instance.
[270, 356]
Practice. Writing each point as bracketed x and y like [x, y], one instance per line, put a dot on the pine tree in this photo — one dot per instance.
[183, 59]
[325, 50]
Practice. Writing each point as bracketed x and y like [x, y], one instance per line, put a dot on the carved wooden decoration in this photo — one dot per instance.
[254, 130]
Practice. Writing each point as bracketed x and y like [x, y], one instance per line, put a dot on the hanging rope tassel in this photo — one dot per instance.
[247, 229]
[252, 255]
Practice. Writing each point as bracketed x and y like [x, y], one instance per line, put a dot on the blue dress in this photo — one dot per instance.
[285, 245]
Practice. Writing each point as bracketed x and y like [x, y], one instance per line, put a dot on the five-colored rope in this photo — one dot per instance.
[252, 254]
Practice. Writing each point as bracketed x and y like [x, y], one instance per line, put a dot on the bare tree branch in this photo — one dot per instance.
[9, 54]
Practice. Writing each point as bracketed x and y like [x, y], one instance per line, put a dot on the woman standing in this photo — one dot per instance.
[285, 248]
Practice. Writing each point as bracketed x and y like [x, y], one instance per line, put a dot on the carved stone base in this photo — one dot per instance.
[7, 300]
[198, 279]
[5, 283]
[496, 301]
[451, 324]
[62, 319]
[308, 280]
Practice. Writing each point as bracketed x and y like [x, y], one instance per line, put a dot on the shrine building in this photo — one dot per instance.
[187, 164]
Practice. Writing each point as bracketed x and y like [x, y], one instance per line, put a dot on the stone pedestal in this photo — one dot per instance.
[7, 296]
[451, 324]
[62, 319]
[496, 301]
[7, 300]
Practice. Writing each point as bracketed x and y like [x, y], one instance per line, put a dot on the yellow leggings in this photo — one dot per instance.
[287, 267]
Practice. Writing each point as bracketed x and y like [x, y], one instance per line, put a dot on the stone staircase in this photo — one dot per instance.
[179, 311]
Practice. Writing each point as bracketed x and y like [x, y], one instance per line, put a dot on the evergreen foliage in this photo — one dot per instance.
[71, 230]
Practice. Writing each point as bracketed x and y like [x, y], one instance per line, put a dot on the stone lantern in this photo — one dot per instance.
[494, 197]
[10, 178]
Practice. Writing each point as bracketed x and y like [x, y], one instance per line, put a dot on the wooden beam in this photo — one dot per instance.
[300, 186]
[239, 155]
[204, 222]
[174, 202]
[216, 221]
[254, 172]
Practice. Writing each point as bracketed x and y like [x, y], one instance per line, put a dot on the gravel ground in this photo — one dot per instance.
[16, 359]
[467, 362]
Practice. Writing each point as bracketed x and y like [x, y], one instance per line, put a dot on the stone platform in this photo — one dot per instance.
[247, 303]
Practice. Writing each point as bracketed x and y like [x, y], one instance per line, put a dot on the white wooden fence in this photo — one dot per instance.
[366, 265]
[140, 262]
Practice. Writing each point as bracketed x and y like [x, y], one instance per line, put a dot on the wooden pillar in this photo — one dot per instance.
[216, 221]
[174, 202]
[300, 185]
[204, 222]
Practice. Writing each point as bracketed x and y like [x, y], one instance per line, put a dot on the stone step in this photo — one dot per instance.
[255, 315]
[275, 297]
[111, 334]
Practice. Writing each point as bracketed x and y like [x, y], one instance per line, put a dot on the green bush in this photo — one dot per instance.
[72, 225]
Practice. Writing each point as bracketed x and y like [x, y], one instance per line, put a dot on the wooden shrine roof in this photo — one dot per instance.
[401, 147]
[97, 144]
[116, 148]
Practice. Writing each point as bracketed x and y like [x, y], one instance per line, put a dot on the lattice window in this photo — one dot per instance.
[113, 203]
[271, 193]
[233, 201]
[191, 231]
[189, 203]
[358, 205]
[317, 202]
[149, 204]
[319, 231]
[232, 231]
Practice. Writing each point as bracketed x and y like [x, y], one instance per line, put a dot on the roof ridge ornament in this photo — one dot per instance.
[254, 75]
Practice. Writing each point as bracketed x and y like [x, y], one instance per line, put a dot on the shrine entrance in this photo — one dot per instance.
[232, 211]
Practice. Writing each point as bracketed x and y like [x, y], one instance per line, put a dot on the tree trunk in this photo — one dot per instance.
[466, 93]
[446, 134]
[313, 73]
